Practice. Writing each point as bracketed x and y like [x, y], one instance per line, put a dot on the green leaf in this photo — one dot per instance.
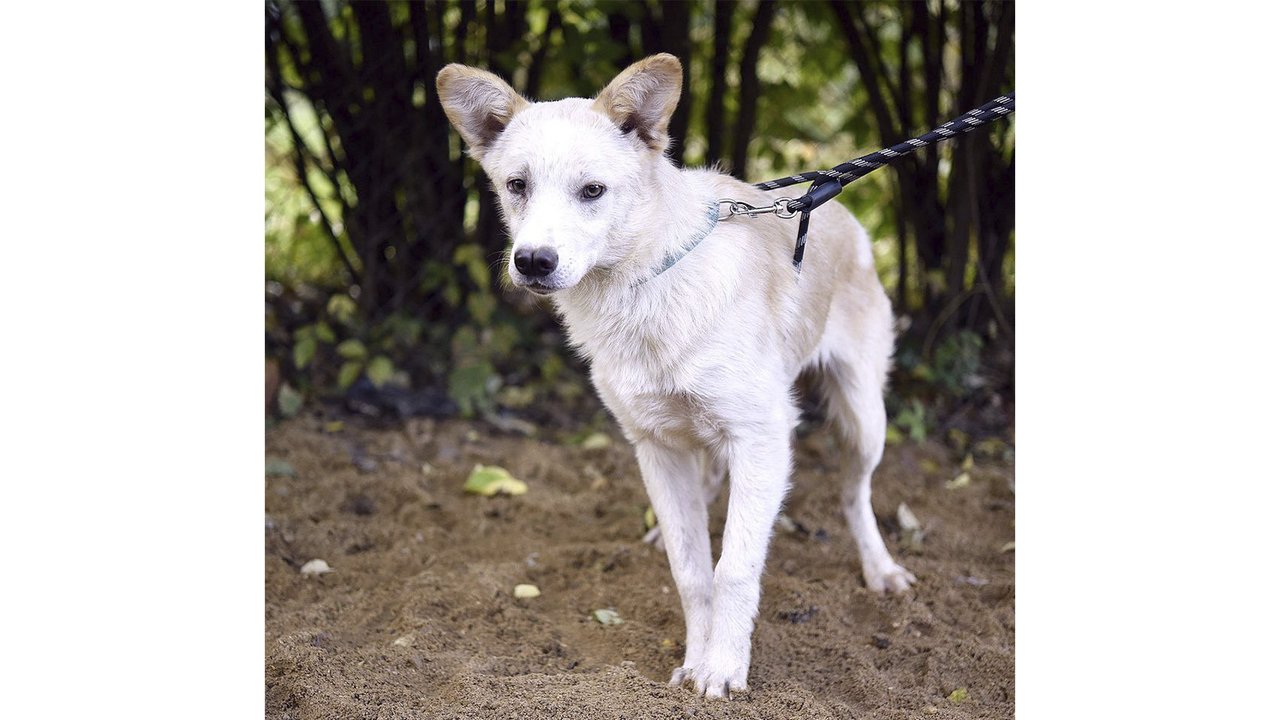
[342, 308]
[959, 695]
[380, 370]
[913, 421]
[325, 333]
[491, 480]
[352, 349]
[892, 435]
[280, 468]
[349, 373]
[289, 400]
[303, 351]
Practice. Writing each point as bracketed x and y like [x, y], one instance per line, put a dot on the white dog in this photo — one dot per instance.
[695, 329]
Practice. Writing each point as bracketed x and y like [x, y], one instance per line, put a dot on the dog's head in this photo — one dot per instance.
[568, 173]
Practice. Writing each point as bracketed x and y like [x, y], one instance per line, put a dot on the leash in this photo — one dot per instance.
[828, 183]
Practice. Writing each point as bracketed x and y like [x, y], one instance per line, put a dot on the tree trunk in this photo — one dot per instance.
[719, 82]
[749, 88]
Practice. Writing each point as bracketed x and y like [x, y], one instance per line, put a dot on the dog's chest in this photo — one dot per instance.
[672, 395]
[676, 419]
[677, 369]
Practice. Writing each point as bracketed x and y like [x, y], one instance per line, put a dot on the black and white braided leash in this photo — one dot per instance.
[828, 183]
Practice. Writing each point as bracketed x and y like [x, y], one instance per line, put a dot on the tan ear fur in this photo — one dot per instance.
[642, 98]
[478, 103]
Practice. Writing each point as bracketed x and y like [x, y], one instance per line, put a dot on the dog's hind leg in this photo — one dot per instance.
[672, 479]
[856, 402]
[712, 471]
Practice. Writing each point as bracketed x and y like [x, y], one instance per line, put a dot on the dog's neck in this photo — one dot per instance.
[676, 214]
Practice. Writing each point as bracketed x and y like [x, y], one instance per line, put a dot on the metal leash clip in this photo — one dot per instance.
[780, 207]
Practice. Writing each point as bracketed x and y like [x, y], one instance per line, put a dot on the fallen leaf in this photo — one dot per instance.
[961, 480]
[912, 532]
[403, 641]
[785, 523]
[289, 400]
[491, 480]
[524, 592]
[598, 481]
[667, 644]
[280, 468]
[1007, 547]
[596, 441]
[606, 616]
[316, 567]
[990, 447]
[334, 426]
[929, 466]
[959, 695]
[968, 462]
[650, 519]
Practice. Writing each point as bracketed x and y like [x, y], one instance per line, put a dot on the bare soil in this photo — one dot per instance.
[418, 620]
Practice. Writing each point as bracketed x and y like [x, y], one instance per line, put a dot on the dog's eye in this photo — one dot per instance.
[592, 191]
[516, 185]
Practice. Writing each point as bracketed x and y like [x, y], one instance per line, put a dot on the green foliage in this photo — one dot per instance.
[321, 359]
[411, 297]
[956, 362]
[913, 420]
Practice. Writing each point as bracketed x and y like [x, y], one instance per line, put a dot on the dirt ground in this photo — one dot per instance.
[418, 620]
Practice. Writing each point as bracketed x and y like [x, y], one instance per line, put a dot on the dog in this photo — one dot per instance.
[695, 328]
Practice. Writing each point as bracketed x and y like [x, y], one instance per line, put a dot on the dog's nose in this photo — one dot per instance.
[536, 263]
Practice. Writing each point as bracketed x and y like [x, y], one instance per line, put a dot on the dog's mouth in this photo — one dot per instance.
[538, 288]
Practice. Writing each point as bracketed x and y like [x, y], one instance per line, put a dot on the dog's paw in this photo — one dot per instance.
[654, 537]
[719, 681]
[892, 578]
[680, 676]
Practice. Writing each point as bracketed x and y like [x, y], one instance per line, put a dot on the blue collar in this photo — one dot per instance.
[709, 223]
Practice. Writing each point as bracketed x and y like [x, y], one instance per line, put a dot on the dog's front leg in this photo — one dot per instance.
[674, 484]
[758, 473]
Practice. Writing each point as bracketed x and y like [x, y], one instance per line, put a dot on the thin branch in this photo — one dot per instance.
[867, 70]
[300, 155]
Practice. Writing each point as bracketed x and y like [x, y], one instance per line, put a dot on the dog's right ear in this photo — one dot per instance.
[478, 103]
[642, 98]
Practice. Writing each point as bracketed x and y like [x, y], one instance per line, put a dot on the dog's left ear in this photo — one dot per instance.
[642, 98]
